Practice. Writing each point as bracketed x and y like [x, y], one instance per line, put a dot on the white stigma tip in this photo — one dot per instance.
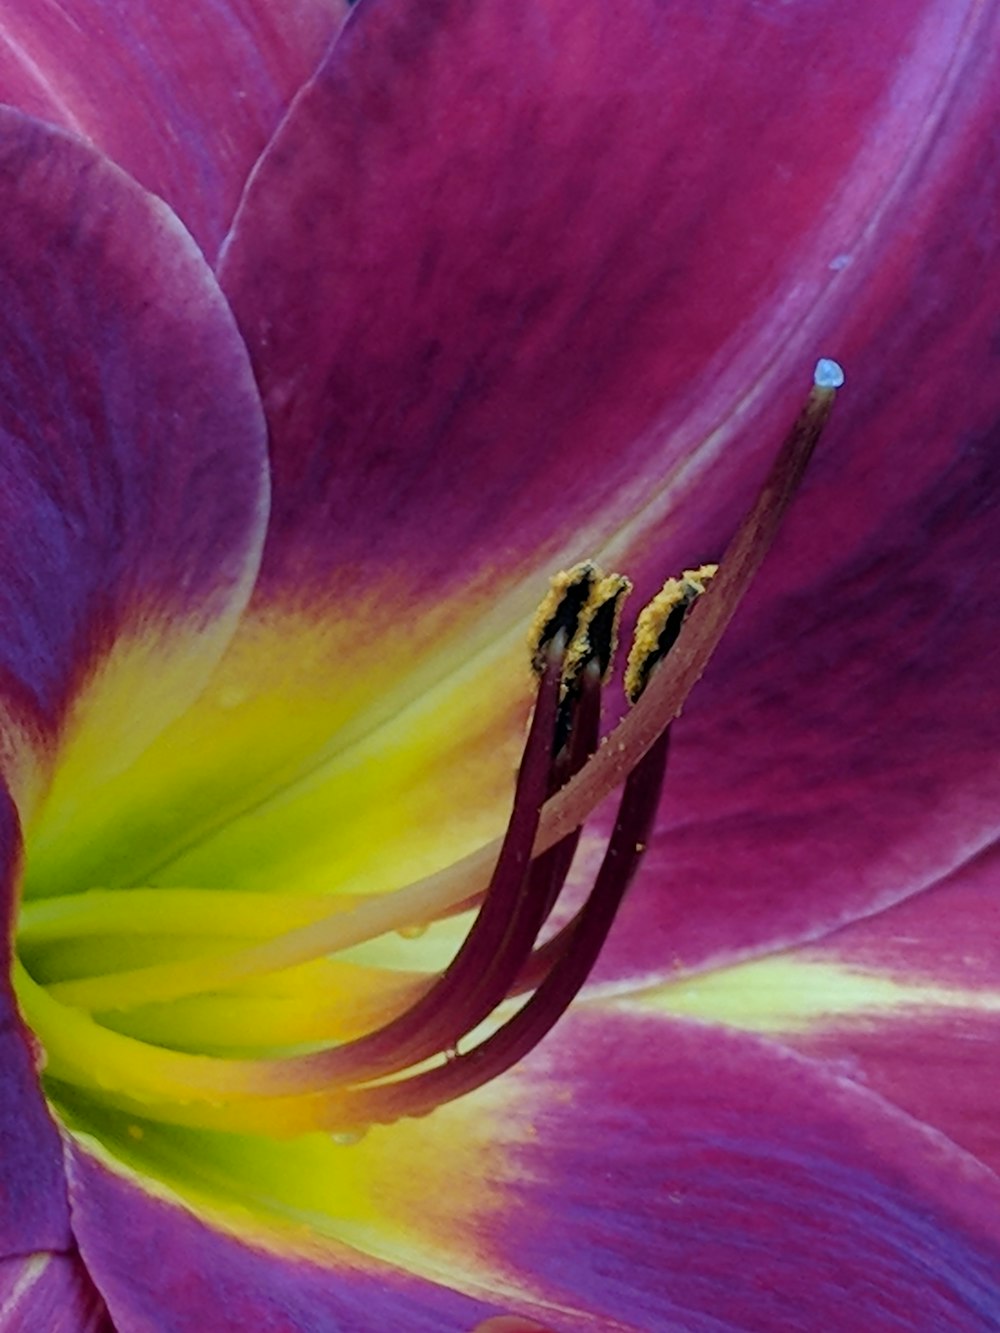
[828, 374]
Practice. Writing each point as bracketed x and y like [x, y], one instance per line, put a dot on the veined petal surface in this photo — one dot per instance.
[906, 1002]
[133, 494]
[840, 753]
[213, 1278]
[34, 1215]
[184, 97]
[49, 1291]
[478, 252]
[644, 1173]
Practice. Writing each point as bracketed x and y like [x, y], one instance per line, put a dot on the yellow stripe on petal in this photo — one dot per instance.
[149, 678]
[426, 1194]
[796, 995]
[325, 754]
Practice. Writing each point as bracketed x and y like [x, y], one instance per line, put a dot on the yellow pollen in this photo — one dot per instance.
[562, 608]
[659, 623]
[596, 638]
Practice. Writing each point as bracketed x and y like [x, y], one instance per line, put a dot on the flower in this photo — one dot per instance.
[534, 266]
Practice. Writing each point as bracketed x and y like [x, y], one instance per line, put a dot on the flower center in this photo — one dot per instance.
[345, 1046]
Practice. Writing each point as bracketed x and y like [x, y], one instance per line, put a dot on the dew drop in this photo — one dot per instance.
[413, 932]
[347, 1138]
[828, 374]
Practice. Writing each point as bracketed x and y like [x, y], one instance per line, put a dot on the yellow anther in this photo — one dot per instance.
[660, 623]
[596, 638]
[561, 609]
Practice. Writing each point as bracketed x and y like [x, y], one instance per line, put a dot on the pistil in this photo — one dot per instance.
[380, 1074]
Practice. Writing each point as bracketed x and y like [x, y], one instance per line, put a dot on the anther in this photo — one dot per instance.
[592, 648]
[561, 610]
[563, 776]
[660, 623]
[596, 638]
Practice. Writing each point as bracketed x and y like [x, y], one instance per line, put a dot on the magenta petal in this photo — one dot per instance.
[160, 1267]
[183, 96]
[670, 1175]
[50, 1293]
[33, 1209]
[509, 1324]
[132, 455]
[934, 1052]
[500, 271]
[841, 751]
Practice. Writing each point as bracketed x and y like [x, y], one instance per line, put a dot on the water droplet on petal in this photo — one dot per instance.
[412, 932]
[347, 1138]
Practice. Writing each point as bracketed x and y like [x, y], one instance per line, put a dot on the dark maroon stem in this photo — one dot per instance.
[422, 1092]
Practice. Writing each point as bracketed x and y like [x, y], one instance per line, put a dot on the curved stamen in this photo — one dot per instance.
[438, 894]
[549, 871]
[446, 1013]
[214, 1093]
[423, 1092]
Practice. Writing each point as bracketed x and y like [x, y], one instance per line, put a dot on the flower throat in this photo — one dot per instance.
[143, 1040]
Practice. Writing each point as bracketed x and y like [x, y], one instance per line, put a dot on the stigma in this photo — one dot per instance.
[429, 1038]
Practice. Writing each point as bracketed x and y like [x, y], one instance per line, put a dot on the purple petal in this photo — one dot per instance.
[489, 261]
[33, 1209]
[517, 288]
[51, 1293]
[653, 1173]
[840, 753]
[931, 1048]
[132, 467]
[159, 1266]
[668, 1175]
[184, 97]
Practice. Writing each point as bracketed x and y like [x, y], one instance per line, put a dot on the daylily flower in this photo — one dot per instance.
[506, 290]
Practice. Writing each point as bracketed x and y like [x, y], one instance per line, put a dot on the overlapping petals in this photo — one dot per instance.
[550, 285]
[184, 97]
[134, 494]
[639, 1172]
[133, 501]
[905, 1002]
[518, 288]
[50, 1291]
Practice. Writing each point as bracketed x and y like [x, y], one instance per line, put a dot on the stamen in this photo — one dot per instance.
[466, 992]
[561, 610]
[592, 647]
[669, 688]
[659, 624]
[550, 869]
[564, 812]
[424, 1092]
[596, 638]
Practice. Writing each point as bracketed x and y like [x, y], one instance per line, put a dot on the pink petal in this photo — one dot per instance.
[33, 1211]
[50, 1293]
[182, 96]
[840, 753]
[932, 1050]
[500, 273]
[671, 1175]
[519, 289]
[132, 468]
